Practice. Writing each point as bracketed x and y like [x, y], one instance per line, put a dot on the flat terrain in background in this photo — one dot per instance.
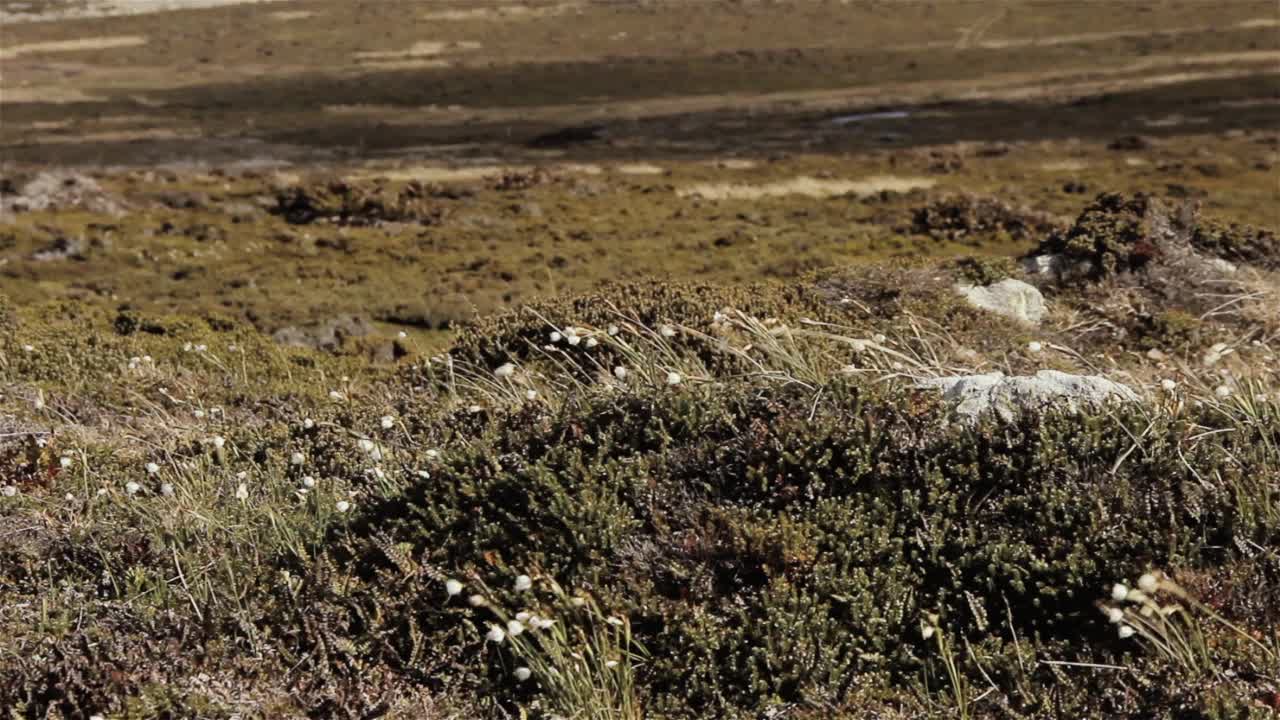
[639, 139]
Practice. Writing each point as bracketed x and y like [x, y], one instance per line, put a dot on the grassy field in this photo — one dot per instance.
[580, 360]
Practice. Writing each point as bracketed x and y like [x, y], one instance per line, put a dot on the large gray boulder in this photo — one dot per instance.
[1007, 396]
[1010, 298]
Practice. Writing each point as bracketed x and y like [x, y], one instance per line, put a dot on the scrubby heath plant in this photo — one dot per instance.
[749, 480]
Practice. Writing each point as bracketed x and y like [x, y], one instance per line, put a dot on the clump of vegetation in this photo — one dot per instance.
[347, 203]
[1239, 243]
[985, 270]
[966, 218]
[1114, 234]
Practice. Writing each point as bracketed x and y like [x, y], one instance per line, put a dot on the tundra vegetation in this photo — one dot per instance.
[356, 374]
[665, 500]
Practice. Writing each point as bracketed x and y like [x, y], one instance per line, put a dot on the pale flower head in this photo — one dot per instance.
[387, 422]
[523, 673]
[495, 634]
[342, 506]
[132, 487]
[65, 462]
[166, 490]
[505, 370]
[308, 481]
[296, 459]
[523, 582]
[152, 468]
[242, 492]
[218, 441]
[453, 587]
[1034, 346]
[620, 372]
[674, 378]
[1126, 632]
[667, 331]
[475, 600]
[1115, 614]
[1119, 592]
[1168, 385]
[1148, 583]
[514, 628]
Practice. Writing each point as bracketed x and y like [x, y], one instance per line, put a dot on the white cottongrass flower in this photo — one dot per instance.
[592, 342]
[667, 331]
[69, 497]
[1115, 615]
[197, 414]
[242, 492]
[28, 348]
[336, 396]
[573, 339]
[515, 628]
[8, 491]
[530, 394]
[879, 338]
[1168, 385]
[541, 623]
[927, 630]
[577, 602]
[365, 444]
[308, 423]
[132, 487]
[611, 664]
[453, 587]
[402, 334]
[342, 506]
[387, 422]
[523, 582]
[1126, 632]
[523, 673]
[613, 330]
[555, 336]
[719, 317]
[476, 600]
[473, 409]
[218, 441]
[1034, 346]
[495, 634]
[1148, 583]
[152, 468]
[166, 490]
[64, 461]
[1119, 592]
[308, 481]
[615, 621]
[505, 370]
[1222, 391]
[523, 616]
[97, 717]
[674, 378]
[433, 454]
[620, 372]
[296, 459]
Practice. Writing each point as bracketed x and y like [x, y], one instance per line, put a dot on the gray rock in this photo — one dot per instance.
[1008, 396]
[1010, 298]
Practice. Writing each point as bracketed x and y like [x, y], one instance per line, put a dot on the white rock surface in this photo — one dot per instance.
[1010, 298]
[1007, 396]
